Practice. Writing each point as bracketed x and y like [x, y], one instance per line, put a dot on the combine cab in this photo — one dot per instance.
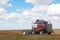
[41, 27]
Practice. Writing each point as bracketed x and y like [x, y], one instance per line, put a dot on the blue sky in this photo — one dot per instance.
[20, 14]
[57, 1]
[20, 4]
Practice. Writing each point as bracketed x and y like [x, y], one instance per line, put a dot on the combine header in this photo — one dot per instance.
[40, 27]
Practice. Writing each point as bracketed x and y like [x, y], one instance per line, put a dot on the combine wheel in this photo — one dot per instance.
[41, 32]
[49, 33]
[33, 32]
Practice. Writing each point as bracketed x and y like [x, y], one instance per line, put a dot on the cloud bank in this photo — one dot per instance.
[39, 2]
[24, 20]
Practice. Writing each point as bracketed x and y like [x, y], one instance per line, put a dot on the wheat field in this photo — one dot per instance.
[17, 35]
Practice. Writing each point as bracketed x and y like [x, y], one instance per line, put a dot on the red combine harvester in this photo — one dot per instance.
[41, 27]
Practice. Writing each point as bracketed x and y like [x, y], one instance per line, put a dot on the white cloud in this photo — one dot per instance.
[25, 19]
[40, 2]
[53, 11]
[2, 10]
[29, 16]
[5, 3]
[56, 18]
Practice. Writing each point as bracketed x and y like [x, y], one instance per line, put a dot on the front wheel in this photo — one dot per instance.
[33, 32]
[41, 32]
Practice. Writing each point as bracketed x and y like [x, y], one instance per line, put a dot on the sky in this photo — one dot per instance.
[21, 14]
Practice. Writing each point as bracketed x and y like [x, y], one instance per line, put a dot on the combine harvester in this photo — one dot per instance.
[40, 27]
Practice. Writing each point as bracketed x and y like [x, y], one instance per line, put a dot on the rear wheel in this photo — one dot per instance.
[49, 33]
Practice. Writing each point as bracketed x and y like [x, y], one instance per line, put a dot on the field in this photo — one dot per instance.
[17, 35]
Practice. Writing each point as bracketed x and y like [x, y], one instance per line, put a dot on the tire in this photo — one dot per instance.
[41, 32]
[33, 32]
[49, 33]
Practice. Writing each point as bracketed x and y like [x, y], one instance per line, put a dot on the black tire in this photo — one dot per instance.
[49, 33]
